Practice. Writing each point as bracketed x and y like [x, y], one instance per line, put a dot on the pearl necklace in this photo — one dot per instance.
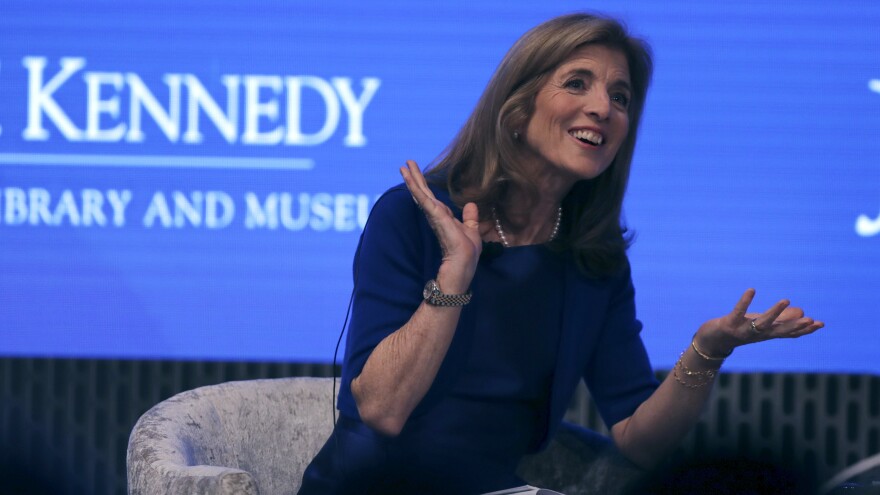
[503, 238]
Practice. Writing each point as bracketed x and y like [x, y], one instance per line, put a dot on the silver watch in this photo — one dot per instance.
[435, 297]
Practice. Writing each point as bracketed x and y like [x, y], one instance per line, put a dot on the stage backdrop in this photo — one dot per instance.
[188, 180]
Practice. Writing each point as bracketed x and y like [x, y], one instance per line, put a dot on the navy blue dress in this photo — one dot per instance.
[490, 403]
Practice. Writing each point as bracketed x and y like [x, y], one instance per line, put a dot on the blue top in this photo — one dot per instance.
[498, 405]
[535, 326]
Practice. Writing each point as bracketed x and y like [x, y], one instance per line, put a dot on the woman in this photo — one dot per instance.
[446, 385]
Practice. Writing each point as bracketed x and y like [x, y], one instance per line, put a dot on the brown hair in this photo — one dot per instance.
[485, 159]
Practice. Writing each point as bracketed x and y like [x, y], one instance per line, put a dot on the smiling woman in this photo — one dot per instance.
[487, 290]
[498, 161]
[586, 98]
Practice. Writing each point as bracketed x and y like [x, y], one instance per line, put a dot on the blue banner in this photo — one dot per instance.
[189, 180]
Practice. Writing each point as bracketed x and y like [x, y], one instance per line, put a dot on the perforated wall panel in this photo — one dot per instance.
[64, 424]
[817, 424]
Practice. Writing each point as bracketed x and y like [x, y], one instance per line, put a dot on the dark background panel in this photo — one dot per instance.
[64, 423]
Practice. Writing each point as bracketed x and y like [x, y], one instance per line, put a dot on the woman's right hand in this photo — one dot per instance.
[460, 241]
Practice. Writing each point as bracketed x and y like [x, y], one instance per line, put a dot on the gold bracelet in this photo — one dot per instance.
[706, 356]
[695, 379]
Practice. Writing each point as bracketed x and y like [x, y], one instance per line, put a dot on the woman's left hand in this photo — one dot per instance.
[720, 336]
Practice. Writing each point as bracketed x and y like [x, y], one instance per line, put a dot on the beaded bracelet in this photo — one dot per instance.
[702, 378]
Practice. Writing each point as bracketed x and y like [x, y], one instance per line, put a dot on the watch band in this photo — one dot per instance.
[435, 297]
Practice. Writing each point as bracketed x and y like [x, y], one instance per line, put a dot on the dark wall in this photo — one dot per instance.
[64, 423]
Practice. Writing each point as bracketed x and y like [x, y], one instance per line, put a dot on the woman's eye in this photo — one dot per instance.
[575, 84]
[621, 99]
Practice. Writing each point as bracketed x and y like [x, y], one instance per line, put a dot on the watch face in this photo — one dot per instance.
[429, 290]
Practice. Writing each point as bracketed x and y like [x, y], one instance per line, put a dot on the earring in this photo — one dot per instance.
[516, 135]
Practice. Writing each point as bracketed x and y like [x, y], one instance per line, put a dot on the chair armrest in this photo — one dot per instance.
[161, 457]
[167, 477]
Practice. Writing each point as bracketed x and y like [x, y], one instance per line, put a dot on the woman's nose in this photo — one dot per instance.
[597, 104]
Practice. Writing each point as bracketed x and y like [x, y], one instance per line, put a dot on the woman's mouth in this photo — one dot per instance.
[587, 136]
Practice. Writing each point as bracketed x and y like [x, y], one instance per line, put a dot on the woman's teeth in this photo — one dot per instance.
[586, 136]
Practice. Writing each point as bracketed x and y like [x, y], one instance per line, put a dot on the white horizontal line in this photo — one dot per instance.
[157, 161]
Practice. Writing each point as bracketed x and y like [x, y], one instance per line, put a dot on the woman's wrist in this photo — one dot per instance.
[710, 348]
[453, 280]
[706, 356]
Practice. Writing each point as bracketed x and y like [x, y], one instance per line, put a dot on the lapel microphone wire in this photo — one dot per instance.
[336, 351]
[357, 257]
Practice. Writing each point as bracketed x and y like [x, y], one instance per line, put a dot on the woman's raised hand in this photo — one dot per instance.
[460, 241]
[721, 335]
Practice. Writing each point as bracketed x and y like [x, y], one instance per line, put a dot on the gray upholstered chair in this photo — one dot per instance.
[258, 436]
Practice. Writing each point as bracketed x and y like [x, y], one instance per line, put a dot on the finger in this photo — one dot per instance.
[815, 326]
[765, 321]
[742, 305]
[419, 179]
[791, 313]
[421, 194]
[411, 185]
[411, 175]
[790, 327]
[805, 326]
[470, 216]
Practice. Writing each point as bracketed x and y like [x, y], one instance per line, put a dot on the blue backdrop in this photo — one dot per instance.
[189, 179]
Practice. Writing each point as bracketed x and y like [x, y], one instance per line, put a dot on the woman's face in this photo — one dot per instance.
[580, 117]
